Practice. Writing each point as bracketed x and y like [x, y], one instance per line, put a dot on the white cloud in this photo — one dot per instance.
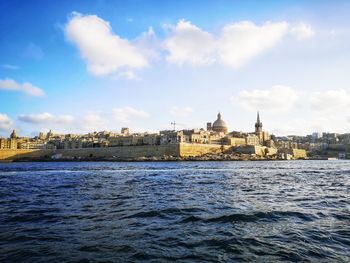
[6, 123]
[187, 43]
[302, 31]
[104, 52]
[148, 44]
[127, 114]
[45, 118]
[181, 112]
[236, 45]
[240, 42]
[330, 100]
[280, 98]
[26, 87]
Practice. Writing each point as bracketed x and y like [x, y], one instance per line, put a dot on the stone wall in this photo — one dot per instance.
[196, 149]
[257, 150]
[295, 153]
[176, 150]
[299, 153]
[11, 154]
[123, 151]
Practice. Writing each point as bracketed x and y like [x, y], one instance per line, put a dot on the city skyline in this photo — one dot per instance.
[83, 67]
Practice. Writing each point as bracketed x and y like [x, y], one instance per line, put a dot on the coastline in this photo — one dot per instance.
[211, 158]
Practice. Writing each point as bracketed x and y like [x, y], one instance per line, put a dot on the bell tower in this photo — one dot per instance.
[258, 125]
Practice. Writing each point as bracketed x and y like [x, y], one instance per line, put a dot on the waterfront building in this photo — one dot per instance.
[258, 128]
[252, 140]
[49, 134]
[263, 136]
[13, 135]
[219, 125]
[125, 131]
[8, 143]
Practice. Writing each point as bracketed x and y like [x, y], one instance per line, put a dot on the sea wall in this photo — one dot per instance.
[111, 152]
[255, 149]
[195, 149]
[121, 152]
[11, 154]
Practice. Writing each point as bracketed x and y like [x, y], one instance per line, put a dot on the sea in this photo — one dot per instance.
[239, 211]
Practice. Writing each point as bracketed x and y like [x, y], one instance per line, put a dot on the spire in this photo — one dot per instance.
[258, 124]
[219, 115]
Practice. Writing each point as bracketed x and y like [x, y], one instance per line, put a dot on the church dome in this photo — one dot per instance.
[219, 125]
[13, 134]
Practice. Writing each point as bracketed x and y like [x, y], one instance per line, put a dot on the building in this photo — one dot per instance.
[252, 140]
[263, 136]
[219, 125]
[258, 128]
[125, 131]
[13, 135]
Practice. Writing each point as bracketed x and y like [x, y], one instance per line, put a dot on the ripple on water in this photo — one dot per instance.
[176, 211]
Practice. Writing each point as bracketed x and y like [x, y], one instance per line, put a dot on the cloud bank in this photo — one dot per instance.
[45, 118]
[236, 44]
[26, 87]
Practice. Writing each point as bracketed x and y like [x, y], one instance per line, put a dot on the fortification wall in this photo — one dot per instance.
[256, 149]
[12, 154]
[196, 149]
[117, 152]
[299, 153]
[176, 150]
[123, 151]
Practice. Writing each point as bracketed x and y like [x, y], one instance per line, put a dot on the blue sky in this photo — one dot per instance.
[79, 66]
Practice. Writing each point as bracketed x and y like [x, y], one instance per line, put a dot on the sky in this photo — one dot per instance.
[84, 66]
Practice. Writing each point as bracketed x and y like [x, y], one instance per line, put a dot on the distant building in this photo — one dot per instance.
[208, 126]
[219, 125]
[13, 135]
[258, 124]
[49, 135]
[263, 136]
[125, 131]
[41, 136]
[11, 143]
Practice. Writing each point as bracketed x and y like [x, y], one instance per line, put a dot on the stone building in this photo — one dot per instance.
[11, 143]
[13, 135]
[263, 136]
[219, 125]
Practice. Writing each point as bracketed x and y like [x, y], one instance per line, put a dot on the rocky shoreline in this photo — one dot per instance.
[207, 157]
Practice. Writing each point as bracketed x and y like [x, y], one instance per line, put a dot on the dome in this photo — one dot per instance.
[219, 125]
[13, 134]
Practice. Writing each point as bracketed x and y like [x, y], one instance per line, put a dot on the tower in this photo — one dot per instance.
[258, 125]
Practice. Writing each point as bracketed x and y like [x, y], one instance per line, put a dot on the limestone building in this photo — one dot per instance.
[263, 136]
[218, 126]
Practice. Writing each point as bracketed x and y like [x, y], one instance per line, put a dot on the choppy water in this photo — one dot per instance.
[296, 211]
